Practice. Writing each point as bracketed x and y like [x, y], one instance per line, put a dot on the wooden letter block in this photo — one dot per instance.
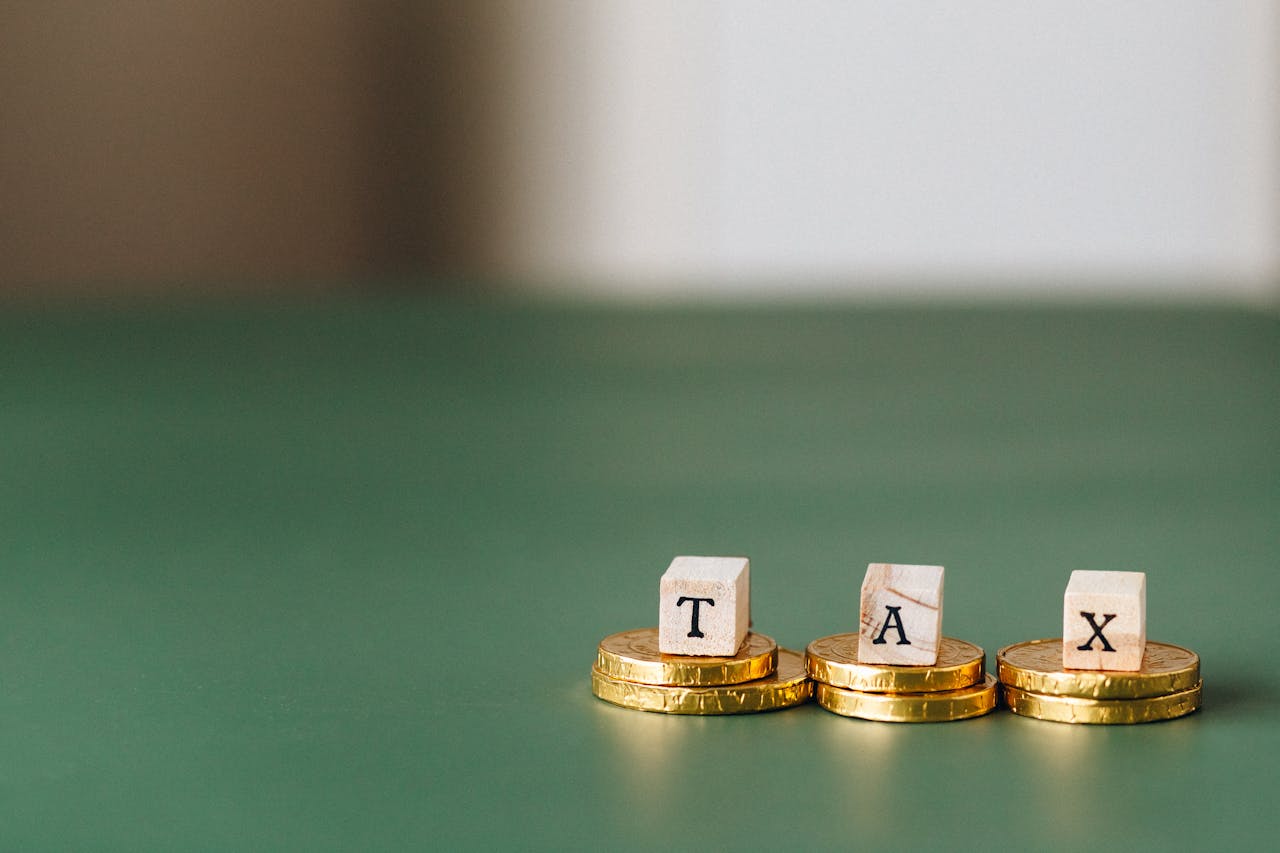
[704, 607]
[1104, 621]
[901, 620]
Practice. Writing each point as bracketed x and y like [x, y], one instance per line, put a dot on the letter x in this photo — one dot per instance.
[1097, 631]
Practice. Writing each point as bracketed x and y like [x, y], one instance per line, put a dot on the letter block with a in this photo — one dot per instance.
[901, 615]
[704, 607]
[1104, 621]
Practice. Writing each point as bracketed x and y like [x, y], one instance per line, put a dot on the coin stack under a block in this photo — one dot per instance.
[899, 668]
[1103, 669]
[702, 658]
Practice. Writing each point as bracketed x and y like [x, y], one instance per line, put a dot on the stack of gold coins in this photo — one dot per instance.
[955, 688]
[631, 672]
[1037, 685]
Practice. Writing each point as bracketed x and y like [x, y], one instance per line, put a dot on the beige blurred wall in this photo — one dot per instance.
[837, 148]
[632, 148]
[237, 144]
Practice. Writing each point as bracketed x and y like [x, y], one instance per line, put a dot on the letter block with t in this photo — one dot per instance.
[901, 620]
[1104, 621]
[704, 607]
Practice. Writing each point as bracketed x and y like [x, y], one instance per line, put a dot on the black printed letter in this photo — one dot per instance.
[1097, 632]
[696, 601]
[894, 621]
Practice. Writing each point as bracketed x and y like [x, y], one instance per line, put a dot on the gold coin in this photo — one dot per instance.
[935, 707]
[786, 687]
[634, 656]
[834, 660]
[1036, 667]
[1070, 709]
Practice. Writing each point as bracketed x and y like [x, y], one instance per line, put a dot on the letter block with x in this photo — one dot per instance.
[1104, 621]
[704, 606]
[901, 615]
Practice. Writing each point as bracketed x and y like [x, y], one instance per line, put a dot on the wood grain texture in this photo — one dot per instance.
[1104, 621]
[901, 614]
[704, 606]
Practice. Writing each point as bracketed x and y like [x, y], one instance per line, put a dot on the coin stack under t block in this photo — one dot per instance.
[703, 658]
[1103, 669]
[898, 667]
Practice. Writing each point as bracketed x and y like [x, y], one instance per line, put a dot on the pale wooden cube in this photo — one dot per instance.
[704, 606]
[1104, 621]
[901, 615]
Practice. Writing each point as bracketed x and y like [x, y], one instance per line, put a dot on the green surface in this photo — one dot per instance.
[332, 576]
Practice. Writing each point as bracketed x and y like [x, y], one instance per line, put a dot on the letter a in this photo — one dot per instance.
[894, 621]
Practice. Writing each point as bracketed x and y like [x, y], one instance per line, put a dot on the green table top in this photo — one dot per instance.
[331, 576]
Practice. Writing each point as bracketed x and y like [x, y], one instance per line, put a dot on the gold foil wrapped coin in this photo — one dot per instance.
[1069, 709]
[834, 660]
[935, 707]
[786, 687]
[634, 656]
[1036, 667]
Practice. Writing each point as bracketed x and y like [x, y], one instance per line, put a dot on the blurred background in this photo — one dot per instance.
[642, 149]
[287, 563]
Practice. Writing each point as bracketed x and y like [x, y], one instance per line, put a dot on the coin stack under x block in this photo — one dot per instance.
[899, 668]
[702, 658]
[1103, 669]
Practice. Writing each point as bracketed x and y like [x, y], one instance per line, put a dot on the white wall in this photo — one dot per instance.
[730, 148]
